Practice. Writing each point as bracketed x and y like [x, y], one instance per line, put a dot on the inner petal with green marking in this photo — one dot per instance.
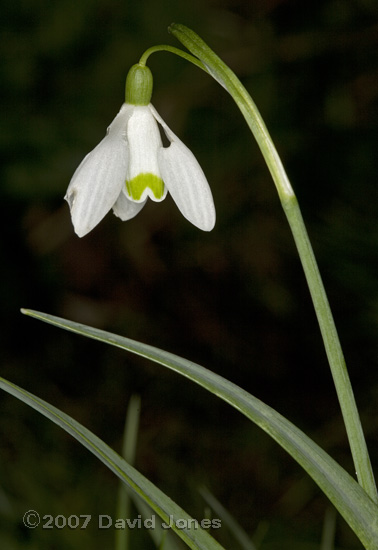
[146, 185]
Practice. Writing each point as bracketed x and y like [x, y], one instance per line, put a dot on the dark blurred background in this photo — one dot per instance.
[234, 300]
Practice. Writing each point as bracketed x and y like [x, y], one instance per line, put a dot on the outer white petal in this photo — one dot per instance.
[97, 182]
[127, 209]
[185, 180]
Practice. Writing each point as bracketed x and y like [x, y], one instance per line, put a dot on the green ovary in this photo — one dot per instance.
[137, 185]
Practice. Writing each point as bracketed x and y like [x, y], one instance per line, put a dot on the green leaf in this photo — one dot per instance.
[130, 434]
[159, 502]
[352, 502]
[162, 538]
[227, 519]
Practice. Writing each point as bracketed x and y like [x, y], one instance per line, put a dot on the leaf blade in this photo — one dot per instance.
[360, 512]
[159, 502]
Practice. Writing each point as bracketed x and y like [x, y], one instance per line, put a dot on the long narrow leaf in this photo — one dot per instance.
[130, 435]
[360, 512]
[195, 538]
[162, 537]
[236, 530]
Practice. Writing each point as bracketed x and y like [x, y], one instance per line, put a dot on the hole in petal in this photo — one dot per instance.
[71, 198]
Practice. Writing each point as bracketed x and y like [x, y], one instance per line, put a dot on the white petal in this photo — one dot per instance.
[185, 180]
[97, 182]
[144, 141]
[126, 209]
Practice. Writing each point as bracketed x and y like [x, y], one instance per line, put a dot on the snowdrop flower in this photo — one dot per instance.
[130, 164]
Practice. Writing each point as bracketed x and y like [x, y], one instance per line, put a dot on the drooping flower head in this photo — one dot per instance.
[131, 165]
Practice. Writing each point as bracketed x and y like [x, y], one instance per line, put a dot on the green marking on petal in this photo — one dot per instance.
[137, 186]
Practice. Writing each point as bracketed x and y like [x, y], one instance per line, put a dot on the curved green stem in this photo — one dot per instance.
[223, 74]
[171, 49]
[333, 348]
